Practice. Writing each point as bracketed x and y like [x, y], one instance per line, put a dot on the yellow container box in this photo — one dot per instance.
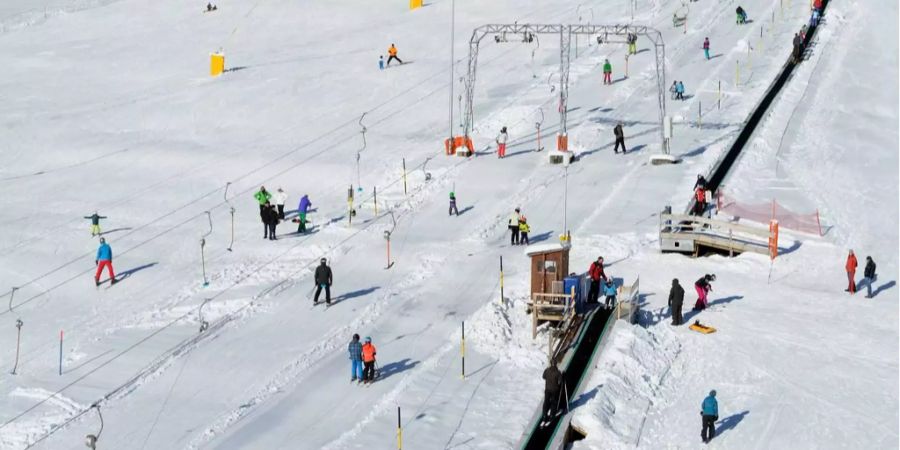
[216, 64]
[413, 4]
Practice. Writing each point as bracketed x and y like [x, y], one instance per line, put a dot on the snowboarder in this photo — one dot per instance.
[262, 196]
[607, 72]
[356, 362]
[869, 275]
[381, 62]
[703, 286]
[709, 410]
[610, 292]
[676, 299]
[620, 138]
[632, 44]
[501, 142]
[741, 15]
[679, 91]
[95, 223]
[302, 210]
[595, 272]
[104, 259]
[851, 272]
[523, 231]
[392, 55]
[270, 221]
[553, 381]
[513, 225]
[706, 48]
[280, 197]
[323, 279]
[453, 209]
[368, 357]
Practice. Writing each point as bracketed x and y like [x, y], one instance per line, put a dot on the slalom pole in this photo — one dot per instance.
[375, 198]
[502, 297]
[404, 176]
[60, 351]
[699, 114]
[399, 431]
[719, 97]
[18, 340]
[462, 350]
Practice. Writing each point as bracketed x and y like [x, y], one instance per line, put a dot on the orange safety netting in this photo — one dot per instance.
[764, 212]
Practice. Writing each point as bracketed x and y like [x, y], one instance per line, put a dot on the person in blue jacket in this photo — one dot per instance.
[710, 412]
[302, 210]
[679, 91]
[104, 259]
[356, 362]
[609, 290]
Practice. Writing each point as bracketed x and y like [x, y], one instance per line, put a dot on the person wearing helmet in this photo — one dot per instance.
[368, 357]
[323, 280]
[104, 259]
[453, 209]
[609, 290]
[95, 223]
[709, 410]
[703, 286]
[356, 363]
[523, 231]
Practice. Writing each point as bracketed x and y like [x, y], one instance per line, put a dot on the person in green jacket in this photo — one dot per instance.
[95, 223]
[607, 72]
[262, 196]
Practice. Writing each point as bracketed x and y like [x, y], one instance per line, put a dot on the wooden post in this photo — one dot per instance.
[404, 176]
[399, 431]
[462, 350]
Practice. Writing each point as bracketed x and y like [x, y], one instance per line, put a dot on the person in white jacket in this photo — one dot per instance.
[501, 142]
[280, 197]
[514, 220]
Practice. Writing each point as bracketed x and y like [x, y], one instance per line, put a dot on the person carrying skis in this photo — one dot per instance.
[676, 300]
[356, 361]
[368, 357]
[869, 275]
[709, 411]
[323, 279]
[392, 55]
[453, 209]
[595, 272]
[607, 72]
[609, 290]
[501, 142]
[553, 381]
[513, 225]
[95, 223]
[620, 138]
[262, 196]
[850, 266]
[104, 259]
[706, 48]
[280, 197]
[269, 219]
[703, 286]
[302, 210]
[523, 231]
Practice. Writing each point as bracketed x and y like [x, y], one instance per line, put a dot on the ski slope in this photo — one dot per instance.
[126, 121]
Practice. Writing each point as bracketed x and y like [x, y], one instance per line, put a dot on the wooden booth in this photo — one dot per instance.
[549, 301]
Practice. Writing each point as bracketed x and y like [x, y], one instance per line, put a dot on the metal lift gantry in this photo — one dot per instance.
[603, 34]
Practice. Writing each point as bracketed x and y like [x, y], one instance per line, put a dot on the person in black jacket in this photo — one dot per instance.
[620, 138]
[553, 385]
[676, 299]
[270, 221]
[323, 280]
[869, 275]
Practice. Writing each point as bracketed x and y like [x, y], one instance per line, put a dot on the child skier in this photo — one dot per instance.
[610, 292]
[703, 286]
[607, 72]
[104, 259]
[356, 363]
[706, 48]
[501, 142]
[95, 223]
[368, 357]
[741, 15]
[453, 209]
[392, 55]
[381, 62]
[523, 231]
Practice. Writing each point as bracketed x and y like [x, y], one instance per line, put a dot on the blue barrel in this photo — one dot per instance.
[575, 281]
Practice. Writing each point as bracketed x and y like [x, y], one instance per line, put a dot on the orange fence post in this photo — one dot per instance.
[773, 239]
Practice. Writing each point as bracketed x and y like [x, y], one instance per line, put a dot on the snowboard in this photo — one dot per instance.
[700, 328]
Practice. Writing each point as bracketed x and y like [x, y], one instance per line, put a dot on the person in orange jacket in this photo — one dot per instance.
[851, 272]
[368, 356]
[392, 55]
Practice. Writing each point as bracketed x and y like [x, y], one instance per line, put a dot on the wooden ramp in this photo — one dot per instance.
[690, 234]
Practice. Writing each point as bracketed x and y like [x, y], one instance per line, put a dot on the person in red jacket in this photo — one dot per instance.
[595, 271]
[851, 272]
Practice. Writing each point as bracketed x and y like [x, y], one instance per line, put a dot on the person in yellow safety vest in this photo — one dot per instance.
[523, 231]
[392, 55]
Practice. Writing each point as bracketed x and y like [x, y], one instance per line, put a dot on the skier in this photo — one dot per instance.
[553, 381]
[323, 279]
[706, 48]
[210, 7]
[523, 231]
[798, 48]
[95, 223]
[453, 209]
[513, 225]
[632, 44]
[709, 410]
[607, 72]
[679, 91]
[869, 275]
[392, 55]
[676, 299]
[703, 286]
[851, 272]
[104, 259]
[270, 221]
[302, 210]
[595, 272]
[356, 363]
[610, 292]
[741, 15]
[262, 196]
[501, 142]
[620, 138]
[368, 357]
[381, 62]
[280, 197]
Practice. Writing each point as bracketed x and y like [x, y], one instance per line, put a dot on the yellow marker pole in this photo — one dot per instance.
[399, 431]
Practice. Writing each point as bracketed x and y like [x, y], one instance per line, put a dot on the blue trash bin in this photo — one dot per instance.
[575, 281]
